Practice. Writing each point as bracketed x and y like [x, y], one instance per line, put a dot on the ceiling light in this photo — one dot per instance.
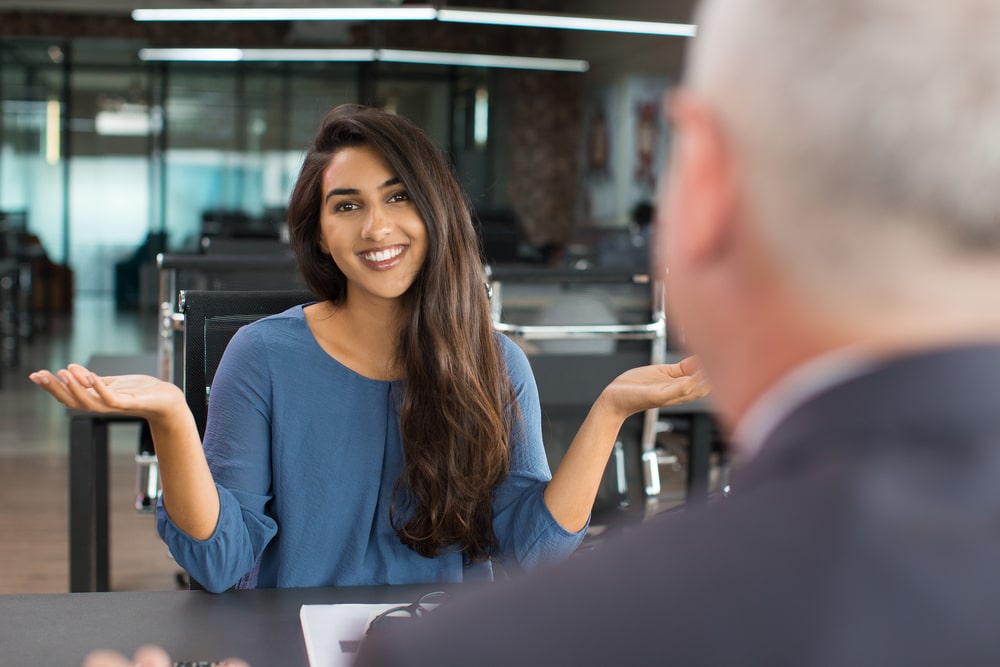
[257, 55]
[362, 55]
[482, 60]
[417, 13]
[193, 55]
[531, 20]
[131, 120]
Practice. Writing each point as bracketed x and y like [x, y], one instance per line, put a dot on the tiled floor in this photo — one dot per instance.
[34, 545]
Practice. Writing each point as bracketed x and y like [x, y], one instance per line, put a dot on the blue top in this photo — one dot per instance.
[305, 454]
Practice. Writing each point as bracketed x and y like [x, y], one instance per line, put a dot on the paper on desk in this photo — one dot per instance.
[333, 631]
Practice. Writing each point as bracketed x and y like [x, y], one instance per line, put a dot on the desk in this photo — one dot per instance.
[88, 478]
[261, 626]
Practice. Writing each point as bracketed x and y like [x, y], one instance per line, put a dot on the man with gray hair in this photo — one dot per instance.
[831, 227]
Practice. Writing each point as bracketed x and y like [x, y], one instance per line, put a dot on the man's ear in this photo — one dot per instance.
[703, 179]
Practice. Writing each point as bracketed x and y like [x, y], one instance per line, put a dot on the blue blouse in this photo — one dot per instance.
[305, 454]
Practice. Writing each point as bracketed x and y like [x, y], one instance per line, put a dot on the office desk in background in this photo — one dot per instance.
[260, 626]
[88, 479]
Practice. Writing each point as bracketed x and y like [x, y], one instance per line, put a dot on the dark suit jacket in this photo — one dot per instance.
[865, 532]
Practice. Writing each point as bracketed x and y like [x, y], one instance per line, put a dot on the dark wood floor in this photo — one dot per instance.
[34, 545]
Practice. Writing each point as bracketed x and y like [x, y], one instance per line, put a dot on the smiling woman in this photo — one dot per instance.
[385, 433]
[369, 224]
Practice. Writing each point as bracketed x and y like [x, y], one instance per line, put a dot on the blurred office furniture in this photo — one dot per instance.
[206, 320]
[503, 240]
[88, 478]
[15, 289]
[262, 265]
[135, 276]
[211, 318]
[625, 249]
[570, 378]
[9, 336]
[244, 268]
[225, 245]
[42, 288]
[22, 261]
[499, 235]
[227, 223]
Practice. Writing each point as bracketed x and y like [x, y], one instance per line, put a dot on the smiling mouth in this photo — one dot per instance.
[383, 256]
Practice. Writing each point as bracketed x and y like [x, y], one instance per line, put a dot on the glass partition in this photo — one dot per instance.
[105, 152]
[32, 129]
[109, 212]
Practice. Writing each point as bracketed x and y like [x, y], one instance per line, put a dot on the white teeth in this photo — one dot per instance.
[383, 255]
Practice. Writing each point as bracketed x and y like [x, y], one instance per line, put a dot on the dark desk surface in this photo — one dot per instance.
[261, 626]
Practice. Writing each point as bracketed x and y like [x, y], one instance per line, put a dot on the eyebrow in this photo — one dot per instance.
[354, 191]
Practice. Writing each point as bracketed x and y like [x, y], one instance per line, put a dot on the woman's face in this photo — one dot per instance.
[369, 225]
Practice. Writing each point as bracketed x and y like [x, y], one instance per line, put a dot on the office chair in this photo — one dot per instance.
[210, 319]
[573, 359]
[248, 270]
[249, 266]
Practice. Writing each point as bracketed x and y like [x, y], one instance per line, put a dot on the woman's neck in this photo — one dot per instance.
[360, 334]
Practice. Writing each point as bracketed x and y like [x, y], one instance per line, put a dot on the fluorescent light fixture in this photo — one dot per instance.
[257, 55]
[482, 60]
[481, 117]
[53, 131]
[362, 55]
[309, 55]
[417, 13]
[131, 120]
[192, 55]
[532, 20]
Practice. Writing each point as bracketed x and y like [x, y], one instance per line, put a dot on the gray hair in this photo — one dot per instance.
[860, 125]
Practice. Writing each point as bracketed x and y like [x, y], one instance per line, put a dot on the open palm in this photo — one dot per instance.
[139, 395]
[656, 386]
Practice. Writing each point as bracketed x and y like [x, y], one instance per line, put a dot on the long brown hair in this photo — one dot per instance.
[458, 407]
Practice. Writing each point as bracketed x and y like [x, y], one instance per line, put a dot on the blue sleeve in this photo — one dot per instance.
[528, 535]
[238, 449]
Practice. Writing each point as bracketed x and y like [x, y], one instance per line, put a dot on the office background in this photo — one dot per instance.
[105, 158]
[99, 148]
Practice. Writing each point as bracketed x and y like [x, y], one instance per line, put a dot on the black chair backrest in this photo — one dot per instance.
[210, 320]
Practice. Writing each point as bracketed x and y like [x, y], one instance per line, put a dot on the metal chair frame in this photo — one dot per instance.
[654, 331]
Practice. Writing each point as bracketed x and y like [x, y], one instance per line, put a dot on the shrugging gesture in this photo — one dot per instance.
[386, 426]
[571, 493]
[189, 493]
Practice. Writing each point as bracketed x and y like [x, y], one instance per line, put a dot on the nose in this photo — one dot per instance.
[377, 225]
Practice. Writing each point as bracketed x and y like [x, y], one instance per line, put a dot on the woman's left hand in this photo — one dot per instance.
[655, 386]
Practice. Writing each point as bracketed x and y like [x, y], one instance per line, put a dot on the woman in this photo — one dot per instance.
[384, 434]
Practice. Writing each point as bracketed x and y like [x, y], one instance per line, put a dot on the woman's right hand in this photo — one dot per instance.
[139, 395]
[189, 493]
